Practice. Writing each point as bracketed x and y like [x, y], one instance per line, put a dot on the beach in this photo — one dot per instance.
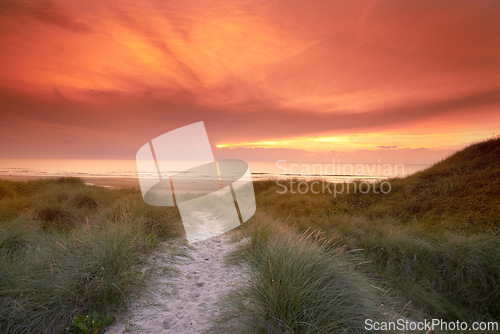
[422, 248]
[108, 182]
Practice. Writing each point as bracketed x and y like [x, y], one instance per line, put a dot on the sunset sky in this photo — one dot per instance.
[404, 81]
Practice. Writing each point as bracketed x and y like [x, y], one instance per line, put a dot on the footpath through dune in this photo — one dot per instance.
[184, 285]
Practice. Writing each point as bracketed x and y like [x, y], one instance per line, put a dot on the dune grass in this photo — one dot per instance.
[69, 249]
[299, 283]
[434, 240]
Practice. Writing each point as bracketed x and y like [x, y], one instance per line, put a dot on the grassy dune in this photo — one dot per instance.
[318, 263]
[299, 283]
[432, 245]
[69, 249]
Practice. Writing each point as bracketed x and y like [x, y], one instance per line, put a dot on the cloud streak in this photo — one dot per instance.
[43, 11]
[128, 71]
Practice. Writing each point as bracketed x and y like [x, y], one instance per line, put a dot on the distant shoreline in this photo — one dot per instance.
[108, 182]
[133, 183]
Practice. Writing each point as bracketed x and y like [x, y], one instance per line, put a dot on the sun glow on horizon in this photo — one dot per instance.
[369, 141]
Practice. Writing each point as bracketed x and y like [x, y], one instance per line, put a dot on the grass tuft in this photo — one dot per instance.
[69, 249]
[85, 201]
[434, 239]
[54, 217]
[299, 284]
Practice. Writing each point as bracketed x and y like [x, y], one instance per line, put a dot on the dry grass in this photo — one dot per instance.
[434, 239]
[299, 283]
[68, 249]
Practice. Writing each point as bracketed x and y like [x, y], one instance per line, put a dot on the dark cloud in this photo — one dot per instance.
[271, 121]
[257, 121]
[128, 122]
[98, 93]
[43, 11]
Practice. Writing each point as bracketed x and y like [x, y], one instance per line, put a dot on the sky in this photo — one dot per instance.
[396, 81]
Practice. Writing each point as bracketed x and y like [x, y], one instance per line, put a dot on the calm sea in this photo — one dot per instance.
[126, 169]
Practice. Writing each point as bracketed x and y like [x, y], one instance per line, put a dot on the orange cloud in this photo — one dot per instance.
[281, 74]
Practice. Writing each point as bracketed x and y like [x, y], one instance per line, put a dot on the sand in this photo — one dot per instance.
[183, 290]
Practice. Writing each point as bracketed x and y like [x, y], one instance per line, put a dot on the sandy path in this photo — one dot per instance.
[183, 300]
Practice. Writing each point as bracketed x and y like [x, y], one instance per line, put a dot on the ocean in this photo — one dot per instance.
[126, 169]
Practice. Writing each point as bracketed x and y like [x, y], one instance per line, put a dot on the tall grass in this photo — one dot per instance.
[434, 239]
[299, 283]
[68, 249]
[450, 275]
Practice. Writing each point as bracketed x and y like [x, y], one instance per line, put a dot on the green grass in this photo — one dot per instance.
[299, 283]
[68, 249]
[434, 240]
[428, 249]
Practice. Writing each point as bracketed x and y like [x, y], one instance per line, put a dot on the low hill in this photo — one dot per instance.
[434, 239]
[461, 192]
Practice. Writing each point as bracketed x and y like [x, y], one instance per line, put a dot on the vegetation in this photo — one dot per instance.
[299, 283]
[91, 324]
[434, 239]
[67, 250]
[430, 248]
